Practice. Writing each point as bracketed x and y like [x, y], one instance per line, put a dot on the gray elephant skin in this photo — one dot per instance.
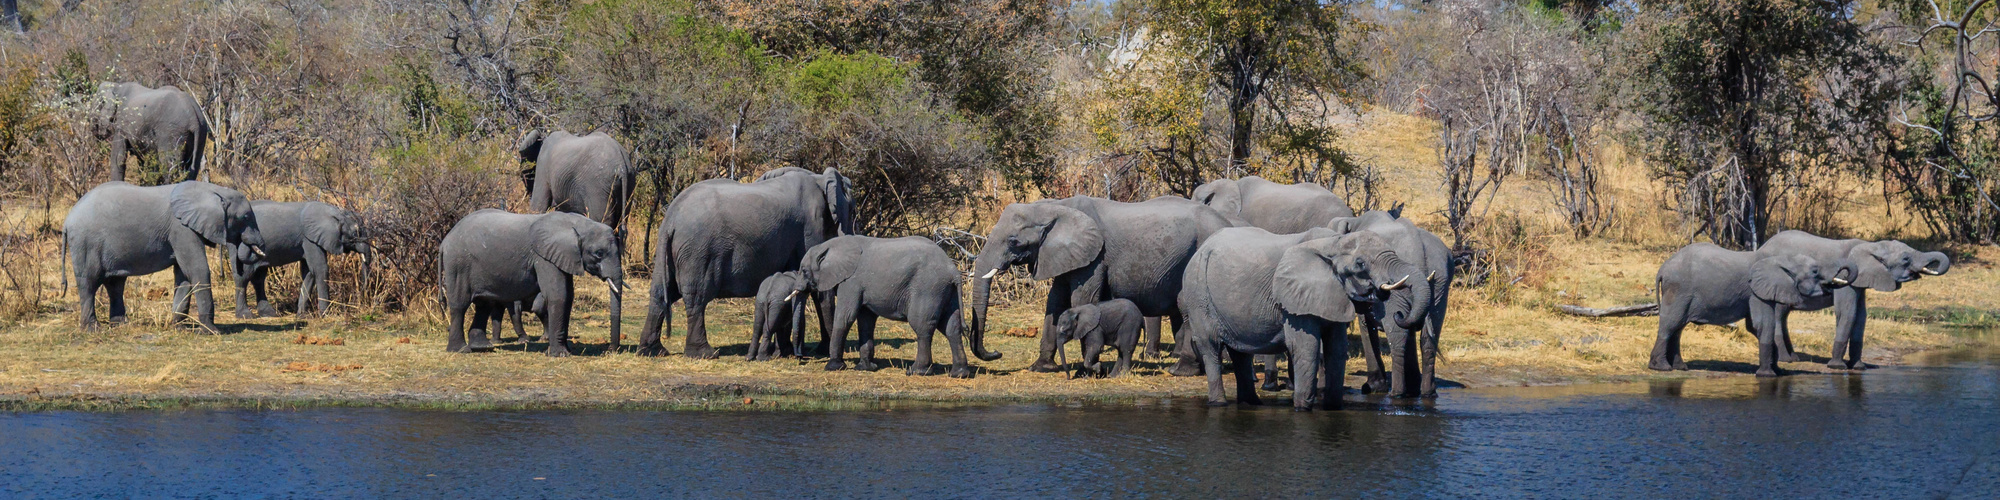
[1252, 292]
[493, 258]
[308, 233]
[1093, 250]
[1278, 208]
[1092, 325]
[1883, 266]
[778, 318]
[903, 279]
[1707, 284]
[1413, 315]
[164, 123]
[721, 239]
[579, 174]
[118, 230]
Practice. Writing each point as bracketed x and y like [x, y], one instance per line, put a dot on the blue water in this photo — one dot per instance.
[1897, 432]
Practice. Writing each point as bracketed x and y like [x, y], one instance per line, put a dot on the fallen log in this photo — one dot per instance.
[1637, 310]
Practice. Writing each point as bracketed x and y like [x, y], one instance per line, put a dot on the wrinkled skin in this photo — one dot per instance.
[119, 230]
[1882, 266]
[1093, 250]
[1248, 291]
[165, 123]
[1279, 208]
[589, 175]
[778, 320]
[722, 238]
[1412, 316]
[1707, 284]
[1116, 320]
[308, 233]
[902, 279]
[493, 258]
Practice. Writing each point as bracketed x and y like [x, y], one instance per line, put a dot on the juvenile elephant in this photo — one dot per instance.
[778, 320]
[1116, 320]
[1250, 292]
[118, 230]
[721, 238]
[1093, 250]
[903, 279]
[579, 174]
[493, 258]
[1881, 265]
[1707, 284]
[308, 233]
[1278, 208]
[164, 123]
[1413, 316]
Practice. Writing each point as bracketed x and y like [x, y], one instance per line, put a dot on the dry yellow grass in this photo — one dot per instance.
[1506, 333]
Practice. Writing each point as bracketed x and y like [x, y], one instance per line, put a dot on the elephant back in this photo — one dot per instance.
[1229, 280]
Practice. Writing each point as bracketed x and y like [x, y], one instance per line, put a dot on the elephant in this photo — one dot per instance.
[903, 279]
[1707, 284]
[778, 320]
[305, 232]
[1417, 308]
[493, 258]
[1091, 324]
[1092, 250]
[581, 174]
[119, 230]
[1881, 265]
[1248, 291]
[1278, 208]
[151, 122]
[721, 238]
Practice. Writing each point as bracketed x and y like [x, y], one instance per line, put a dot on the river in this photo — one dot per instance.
[1925, 431]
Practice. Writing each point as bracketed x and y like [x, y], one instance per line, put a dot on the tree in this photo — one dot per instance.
[1946, 160]
[1745, 101]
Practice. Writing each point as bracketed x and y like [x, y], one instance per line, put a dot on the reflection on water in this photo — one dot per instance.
[1892, 432]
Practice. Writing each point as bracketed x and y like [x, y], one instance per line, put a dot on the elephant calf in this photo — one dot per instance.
[1707, 284]
[118, 230]
[904, 279]
[493, 258]
[1091, 323]
[779, 317]
[304, 232]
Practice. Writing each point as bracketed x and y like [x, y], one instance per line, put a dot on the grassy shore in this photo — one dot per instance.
[1506, 331]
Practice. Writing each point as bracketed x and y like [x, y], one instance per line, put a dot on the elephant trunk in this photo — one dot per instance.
[984, 269]
[367, 260]
[617, 308]
[1420, 299]
[1934, 263]
[798, 332]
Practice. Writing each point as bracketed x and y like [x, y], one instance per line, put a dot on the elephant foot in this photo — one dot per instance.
[836, 365]
[1218, 403]
[1429, 394]
[866, 366]
[1375, 386]
[558, 350]
[116, 321]
[918, 369]
[1044, 366]
[1250, 400]
[1681, 365]
[654, 350]
[245, 313]
[1274, 384]
[960, 372]
[1152, 355]
[700, 351]
[1302, 408]
[1837, 365]
[1660, 365]
[1186, 367]
[1766, 371]
[271, 312]
[1788, 358]
[483, 345]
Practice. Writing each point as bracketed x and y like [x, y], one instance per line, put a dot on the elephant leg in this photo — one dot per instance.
[1851, 312]
[1183, 367]
[658, 310]
[118, 152]
[924, 329]
[697, 339]
[481, 311]
[1667, 342]
[242, 293]
[194, 265]
[1371, 347]
[1246, 378]
[1854, 336]
[1433, 326]
[1271, 382]
[86, 296]
[1761, 324]
[1211, 365]
[1302, 339]
[1332, 376]
[557, 288]
[454, 336]
[1059, 301]
[1153, 338]
[836, 342]
[954, 334]
[257, 281]
[822, 302]
[183, 288]
[866, 328]
[1401, 361]
[1128, 344]
[114, 291]
[321, 292]
[1783, 333]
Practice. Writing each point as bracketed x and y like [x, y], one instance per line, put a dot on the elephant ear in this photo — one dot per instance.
[779, 172]
[1304, 283]
[558, 241]
[530, 147]
[827, 265]
[1073, 240]
[1223, 194]
[1772, 282]
[1342, 225]
[322, 223]
[198, 206]
[839, 201]
[1872, 273]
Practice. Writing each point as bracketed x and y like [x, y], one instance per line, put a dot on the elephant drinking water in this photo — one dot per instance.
[1881, 265]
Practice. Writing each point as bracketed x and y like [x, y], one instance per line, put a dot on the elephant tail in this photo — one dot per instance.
[64, 271]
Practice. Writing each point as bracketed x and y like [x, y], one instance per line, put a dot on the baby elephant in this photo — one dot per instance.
[778, 327]
[904, 279]
[305, 232]
[494, 258]
[1091, 323]
[1707, 284]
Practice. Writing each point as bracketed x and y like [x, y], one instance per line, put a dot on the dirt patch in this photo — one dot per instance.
[1028, 332]
[311, 340]
[302, 366]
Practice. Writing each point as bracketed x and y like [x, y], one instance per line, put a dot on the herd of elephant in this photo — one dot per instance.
[1248, 267]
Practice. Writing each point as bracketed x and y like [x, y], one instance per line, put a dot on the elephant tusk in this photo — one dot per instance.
[1839, 282]
[1929, 271]
[1433, 275]
[1398, 285]
[613, 285]
[989, 274]
[794, 294]
[255, 250]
